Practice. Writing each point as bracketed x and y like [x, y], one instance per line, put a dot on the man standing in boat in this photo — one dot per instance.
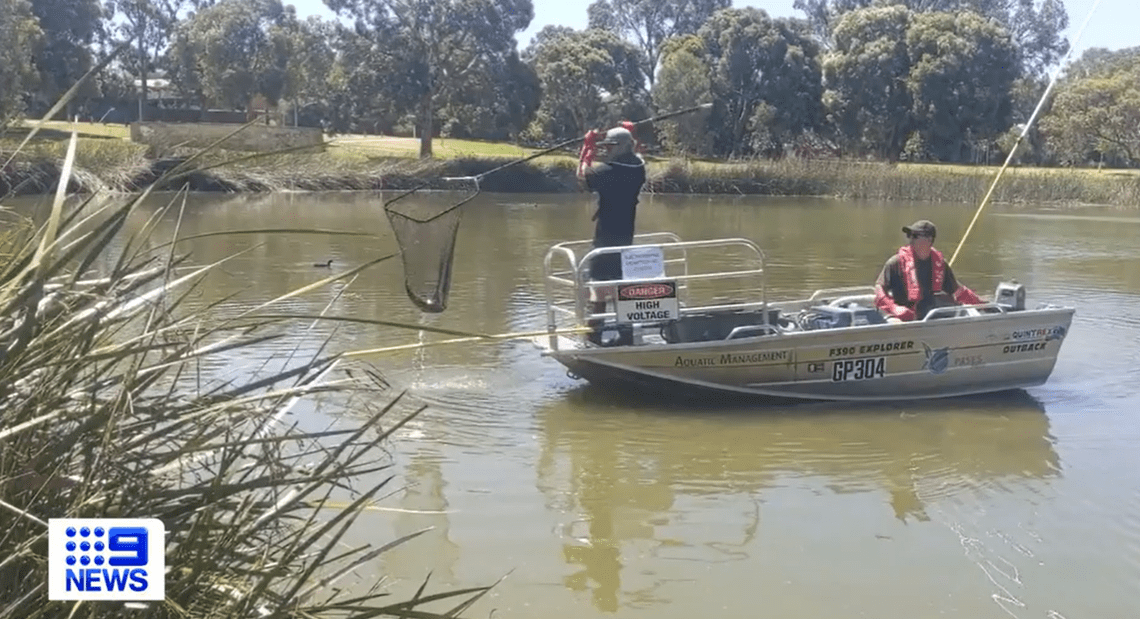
[617, 179]
[911, 279]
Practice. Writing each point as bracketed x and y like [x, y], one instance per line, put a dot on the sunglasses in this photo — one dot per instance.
[920, 236]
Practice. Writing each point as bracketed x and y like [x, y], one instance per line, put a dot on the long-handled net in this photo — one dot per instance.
[427, 233]
[426, 236]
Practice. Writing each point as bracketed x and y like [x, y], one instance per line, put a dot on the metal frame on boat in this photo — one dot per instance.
[679, 335]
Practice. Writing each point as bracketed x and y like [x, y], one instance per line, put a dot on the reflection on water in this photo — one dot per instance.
[603, 505]
[625, 472]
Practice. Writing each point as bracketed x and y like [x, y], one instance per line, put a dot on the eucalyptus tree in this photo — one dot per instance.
[1096, 111]
[69, 28]
[497, 104]
[1037, 26]
[22, 36]
[150, 24]
[866, 74]
[963, 68]
[235, 50]
[649, 23]
[430, 49]
[589, 79]
[765, 82]
[926, 83]
[684, 81]
[311, 61]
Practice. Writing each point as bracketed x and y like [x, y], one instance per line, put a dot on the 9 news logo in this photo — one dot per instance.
[107, 559]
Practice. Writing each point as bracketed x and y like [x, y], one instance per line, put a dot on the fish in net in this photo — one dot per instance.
[426, 233]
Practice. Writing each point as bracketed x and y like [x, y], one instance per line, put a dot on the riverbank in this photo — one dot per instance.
[119, 165]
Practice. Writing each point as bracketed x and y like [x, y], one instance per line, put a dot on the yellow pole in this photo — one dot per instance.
[1012, 151]
[500, 337]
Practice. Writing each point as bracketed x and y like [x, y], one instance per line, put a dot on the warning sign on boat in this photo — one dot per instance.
[647, 302]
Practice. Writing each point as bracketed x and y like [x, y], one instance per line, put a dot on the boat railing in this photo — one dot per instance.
[568, 285]
[567, 250]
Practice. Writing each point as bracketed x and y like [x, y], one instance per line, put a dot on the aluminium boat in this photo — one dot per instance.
[677, 333]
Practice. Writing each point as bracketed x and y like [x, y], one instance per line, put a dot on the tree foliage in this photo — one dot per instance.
[649, 23]
[589, 79]
[866, 74]
[963, 67]
[1096, 112]
[765, 79]
[22, 36]
[497, 106]
[237, 49]
[684, 81]
[930, 84]
[150, 25]
[432, 49]
[69, 29]
[933, 79]
[1037, 26]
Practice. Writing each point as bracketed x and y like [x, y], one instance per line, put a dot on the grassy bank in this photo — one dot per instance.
[107, 160]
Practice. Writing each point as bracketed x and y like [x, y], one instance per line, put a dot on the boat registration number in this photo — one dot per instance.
[859, 369]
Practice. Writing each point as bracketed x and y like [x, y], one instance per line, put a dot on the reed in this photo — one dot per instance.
[905, 182]
[101, 164]
[106, 411]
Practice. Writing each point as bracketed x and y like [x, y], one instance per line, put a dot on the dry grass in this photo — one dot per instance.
[443, 148]
[378, 162]
[60, 130]
[881, 181]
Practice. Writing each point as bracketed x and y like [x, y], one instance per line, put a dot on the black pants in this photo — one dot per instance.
[605, 267]
[608, 266]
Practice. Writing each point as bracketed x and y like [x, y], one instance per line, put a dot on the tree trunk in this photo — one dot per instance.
[142, 69]
[425, 118]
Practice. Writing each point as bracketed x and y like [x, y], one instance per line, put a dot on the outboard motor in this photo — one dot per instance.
[1010, 295]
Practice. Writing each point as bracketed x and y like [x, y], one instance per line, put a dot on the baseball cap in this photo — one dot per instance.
[921, 226]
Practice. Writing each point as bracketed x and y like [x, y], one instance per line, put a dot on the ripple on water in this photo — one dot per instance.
[1128, 528]
[1028, 508]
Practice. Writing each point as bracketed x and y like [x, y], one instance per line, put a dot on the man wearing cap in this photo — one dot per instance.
[911, 278]
[618, 179]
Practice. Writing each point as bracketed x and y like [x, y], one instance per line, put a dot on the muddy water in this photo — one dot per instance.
[600, 505]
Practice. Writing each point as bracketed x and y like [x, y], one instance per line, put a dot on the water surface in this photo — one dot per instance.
[605, 506]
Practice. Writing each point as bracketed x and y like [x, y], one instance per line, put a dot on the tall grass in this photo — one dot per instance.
[103, 414]
[882, 181]
[101, 164]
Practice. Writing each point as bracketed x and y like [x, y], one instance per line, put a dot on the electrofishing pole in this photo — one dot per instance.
[579, 139]
[561, 145]
[1024, 132]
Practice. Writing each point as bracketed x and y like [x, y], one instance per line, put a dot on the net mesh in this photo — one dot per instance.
[426, 233]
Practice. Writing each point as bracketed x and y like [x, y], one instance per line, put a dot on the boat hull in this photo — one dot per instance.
[941, 358]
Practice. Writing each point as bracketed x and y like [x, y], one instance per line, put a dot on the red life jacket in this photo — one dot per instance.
[937, 267]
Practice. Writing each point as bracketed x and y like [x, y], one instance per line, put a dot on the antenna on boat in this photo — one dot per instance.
[1024, 131]
[426, 234]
